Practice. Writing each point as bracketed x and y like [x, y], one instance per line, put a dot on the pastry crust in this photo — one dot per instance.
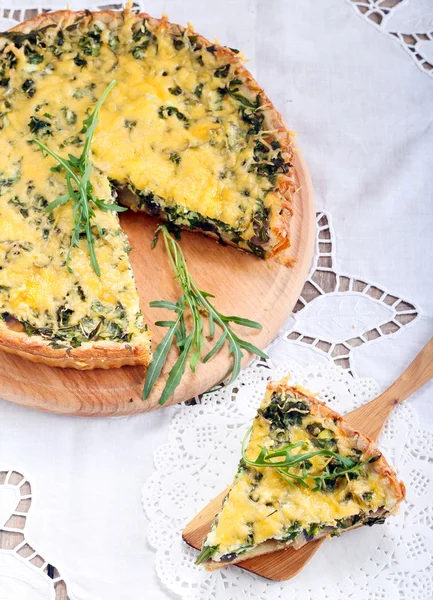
[102, 354]
[361, 442]
[91, 355]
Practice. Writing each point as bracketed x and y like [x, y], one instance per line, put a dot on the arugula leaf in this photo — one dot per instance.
[80, 189]
[159, 358]
[196, 303]
[342, 465]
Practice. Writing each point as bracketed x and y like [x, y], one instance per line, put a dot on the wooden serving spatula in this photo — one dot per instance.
[369, 419]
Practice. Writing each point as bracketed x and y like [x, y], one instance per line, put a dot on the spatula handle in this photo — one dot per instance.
[371, 417]
[415, 376]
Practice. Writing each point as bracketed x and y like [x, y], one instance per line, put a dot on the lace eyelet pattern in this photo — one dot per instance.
[410, 23]
[24, 573]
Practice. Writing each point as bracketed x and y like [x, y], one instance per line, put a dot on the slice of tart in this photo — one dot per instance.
[304, 474]
[186, 128]
[61, 317]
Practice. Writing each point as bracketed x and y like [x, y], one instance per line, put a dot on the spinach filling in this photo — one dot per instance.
[109, 323]
[290, 532]
[182, 217]
[32, 207]
[283, 412]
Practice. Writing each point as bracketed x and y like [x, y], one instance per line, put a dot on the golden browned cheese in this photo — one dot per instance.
[175, 129]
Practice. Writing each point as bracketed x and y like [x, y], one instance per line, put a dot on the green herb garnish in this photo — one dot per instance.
[80, 189]
[341, 465]
[191, 343]
[206, 553]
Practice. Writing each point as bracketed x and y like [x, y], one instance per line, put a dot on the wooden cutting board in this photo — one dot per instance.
[243, 285]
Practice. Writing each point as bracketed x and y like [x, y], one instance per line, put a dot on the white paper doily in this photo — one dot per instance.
[388, 562]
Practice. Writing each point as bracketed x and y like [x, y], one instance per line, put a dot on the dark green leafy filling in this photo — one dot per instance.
[283, 412]
[108, 323]
[290, 532]
[143, 38]
[182, 217]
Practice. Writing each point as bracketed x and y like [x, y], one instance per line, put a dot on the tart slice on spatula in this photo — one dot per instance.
[304, 474]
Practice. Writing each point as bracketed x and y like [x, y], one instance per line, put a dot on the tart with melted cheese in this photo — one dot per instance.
[338, 481]
[186, 128]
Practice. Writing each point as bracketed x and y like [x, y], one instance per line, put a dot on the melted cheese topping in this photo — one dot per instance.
[261, 505]
[169, 130]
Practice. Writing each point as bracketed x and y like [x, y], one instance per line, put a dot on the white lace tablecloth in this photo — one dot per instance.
[354, 78]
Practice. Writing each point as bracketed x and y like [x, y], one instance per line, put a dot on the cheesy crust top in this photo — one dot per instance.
[180, 129]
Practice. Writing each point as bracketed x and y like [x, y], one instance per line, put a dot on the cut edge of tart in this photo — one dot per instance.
[268, 238]
[89, 355]
[266, 510]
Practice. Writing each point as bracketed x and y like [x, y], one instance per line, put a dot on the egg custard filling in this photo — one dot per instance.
[317, 477]
[185, 128]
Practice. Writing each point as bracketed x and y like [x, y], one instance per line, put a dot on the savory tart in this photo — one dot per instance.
[186, 128]
[304, 474]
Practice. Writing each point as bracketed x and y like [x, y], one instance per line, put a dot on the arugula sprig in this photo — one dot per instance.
[342, 464]
[206, 554]
[191, 341]
[80, 189]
